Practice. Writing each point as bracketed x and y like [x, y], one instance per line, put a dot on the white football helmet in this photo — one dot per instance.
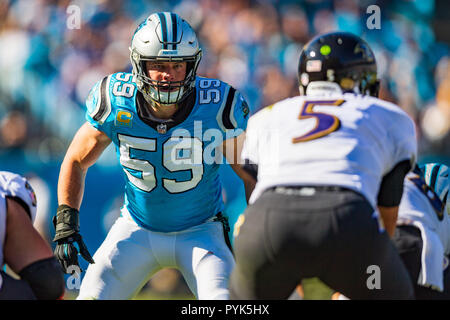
[164, 36]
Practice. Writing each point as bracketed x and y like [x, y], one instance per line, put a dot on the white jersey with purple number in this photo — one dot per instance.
[334, 139]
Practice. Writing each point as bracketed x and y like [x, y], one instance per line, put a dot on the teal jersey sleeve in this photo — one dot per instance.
[234, 113]
[241, 112]
[98, 106]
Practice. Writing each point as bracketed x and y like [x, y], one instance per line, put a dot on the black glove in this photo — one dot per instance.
[67, 227]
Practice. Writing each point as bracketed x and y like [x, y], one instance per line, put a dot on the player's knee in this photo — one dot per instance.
[13, 289]
[45, 278]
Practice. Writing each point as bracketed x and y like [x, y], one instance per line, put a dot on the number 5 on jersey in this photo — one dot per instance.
[325, 123]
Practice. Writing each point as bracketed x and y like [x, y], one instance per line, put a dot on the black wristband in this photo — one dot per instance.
[66, 222]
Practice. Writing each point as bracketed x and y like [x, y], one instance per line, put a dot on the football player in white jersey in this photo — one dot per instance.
[162, 119]
[21, 246]
[329, 167]
[422, 235]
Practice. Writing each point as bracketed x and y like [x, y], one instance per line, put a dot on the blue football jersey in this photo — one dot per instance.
[171, 173]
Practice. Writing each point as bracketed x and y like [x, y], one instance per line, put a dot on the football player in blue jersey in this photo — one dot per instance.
[168, 126]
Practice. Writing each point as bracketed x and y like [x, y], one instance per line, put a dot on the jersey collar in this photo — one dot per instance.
[323, 88]
[183, 112]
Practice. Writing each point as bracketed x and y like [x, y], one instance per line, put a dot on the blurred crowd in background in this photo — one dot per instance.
[48, 66]
[48, 62]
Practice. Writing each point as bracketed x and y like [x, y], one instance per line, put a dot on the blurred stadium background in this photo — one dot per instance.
[47, 68]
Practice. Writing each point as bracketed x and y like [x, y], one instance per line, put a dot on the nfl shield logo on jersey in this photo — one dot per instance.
[161, 128]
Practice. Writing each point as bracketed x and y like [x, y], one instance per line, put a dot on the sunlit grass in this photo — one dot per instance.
[314, 289]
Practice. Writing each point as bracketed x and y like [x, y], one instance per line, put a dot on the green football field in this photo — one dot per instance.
[313, 289]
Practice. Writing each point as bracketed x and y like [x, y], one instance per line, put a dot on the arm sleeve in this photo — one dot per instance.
[404, 139]
[404, 155]
[391, 188]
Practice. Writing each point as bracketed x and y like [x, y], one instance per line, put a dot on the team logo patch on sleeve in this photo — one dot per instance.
[245, 109]
[123, 118]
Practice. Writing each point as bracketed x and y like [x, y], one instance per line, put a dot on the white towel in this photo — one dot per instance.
[432, 259]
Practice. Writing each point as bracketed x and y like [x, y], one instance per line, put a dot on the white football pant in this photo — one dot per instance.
[130, 255]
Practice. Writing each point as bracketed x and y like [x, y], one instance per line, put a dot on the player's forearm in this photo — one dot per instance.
[389, 218]
[232, 149]
[247, 179]
[249, 187]
[85, 149]
[71, 184]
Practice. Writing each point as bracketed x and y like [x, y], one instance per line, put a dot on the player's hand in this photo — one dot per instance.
[68, 238]
[67, 253]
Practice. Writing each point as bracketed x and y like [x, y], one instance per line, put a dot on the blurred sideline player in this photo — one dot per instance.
[22, 248]
[423, 230]
[324, 161]
[156, 117]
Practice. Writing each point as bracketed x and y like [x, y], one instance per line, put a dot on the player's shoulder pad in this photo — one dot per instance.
[261, 115]
[390, 107]
[267, 112]
[15, 186]
[399, 120]
[400, 128]
[99, 104]
[234, 109]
